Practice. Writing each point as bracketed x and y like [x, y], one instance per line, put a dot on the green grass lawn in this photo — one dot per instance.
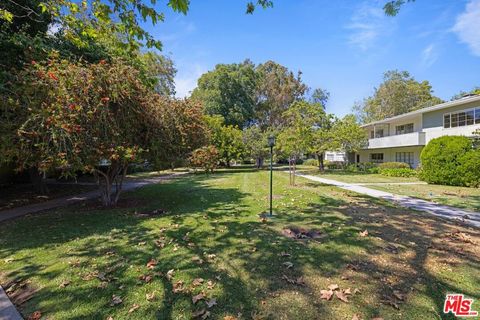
[460, 197]
[72, 261]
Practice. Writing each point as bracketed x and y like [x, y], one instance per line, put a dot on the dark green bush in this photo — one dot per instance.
[469, 168]
[441, 160]
[394, 165]
[398, 172]
[335, 165]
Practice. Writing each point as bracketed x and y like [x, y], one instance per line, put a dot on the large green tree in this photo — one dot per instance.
[278, 88]
[229, 91]
[255, 144]
[461, 94]
[226, 138]
[397, 94]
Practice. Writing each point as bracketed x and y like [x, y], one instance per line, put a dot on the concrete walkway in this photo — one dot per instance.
[472, 218]
[65, 201]
[7, 309]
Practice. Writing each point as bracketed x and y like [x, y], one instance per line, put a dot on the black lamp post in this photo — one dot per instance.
[271, 144]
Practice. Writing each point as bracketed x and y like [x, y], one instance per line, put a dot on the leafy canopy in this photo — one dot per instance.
[398, 93]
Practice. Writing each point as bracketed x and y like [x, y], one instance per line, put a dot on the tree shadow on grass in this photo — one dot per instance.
[108, 250]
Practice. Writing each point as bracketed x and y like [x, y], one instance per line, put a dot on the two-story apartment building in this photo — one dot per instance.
[402, 138]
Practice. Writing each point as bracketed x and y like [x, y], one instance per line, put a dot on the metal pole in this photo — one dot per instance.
[271, 178]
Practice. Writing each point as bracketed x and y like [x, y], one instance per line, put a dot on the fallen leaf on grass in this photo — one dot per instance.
[347, 291]
[326, 294]
[356, 317]
[299, 281]
[152, 263]
[8, 260]
[210, 284]
[178, 287]
[116, 300]
[341, 296]
[64, 283]
[397, 294]
[333, 287]
[201, 314]
[133, 308]
[150, 296]
[146, 278]
[170, 274]
[35, 316]
[196, 282]
[356, 290]
[288, 264]
[197, 259]
[230, 318]
[284, 254]
[198, 297]
[212, 302]
[364, 233]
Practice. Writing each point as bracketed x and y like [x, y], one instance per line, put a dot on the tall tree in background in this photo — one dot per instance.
[399, 93]
[229, 91]
[227, 139]
[348, 136]
[462, 93]
[320, 96]
[277, 89]
[302, 120]
[255, 143]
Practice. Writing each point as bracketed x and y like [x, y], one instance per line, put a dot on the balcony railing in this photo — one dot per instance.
[401, 140]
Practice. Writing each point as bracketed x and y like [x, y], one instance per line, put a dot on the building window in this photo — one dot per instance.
[376, 157]
[404, 128]
[446, 121]
[406, 157]
[461, 118]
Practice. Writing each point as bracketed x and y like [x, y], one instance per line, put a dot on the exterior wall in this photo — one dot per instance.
[389, 154]
[433, 123]
[335, 156]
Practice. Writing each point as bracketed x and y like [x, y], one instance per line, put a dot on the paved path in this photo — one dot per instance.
[472, 218]
[65, 201]
[7, 309]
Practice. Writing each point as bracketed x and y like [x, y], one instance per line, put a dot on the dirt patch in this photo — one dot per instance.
[20, 291]
[153, 213]
[302, 234]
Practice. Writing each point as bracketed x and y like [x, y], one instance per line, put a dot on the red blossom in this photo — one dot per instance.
[52, 76]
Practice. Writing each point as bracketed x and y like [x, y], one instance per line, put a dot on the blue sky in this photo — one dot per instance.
[342, 46]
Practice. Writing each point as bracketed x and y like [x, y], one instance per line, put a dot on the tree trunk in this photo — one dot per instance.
[294, 170]
[321, 165]
[259, 162]
[115, 174]
[38, 180]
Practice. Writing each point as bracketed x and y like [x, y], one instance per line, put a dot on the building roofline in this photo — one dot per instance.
[441, 106]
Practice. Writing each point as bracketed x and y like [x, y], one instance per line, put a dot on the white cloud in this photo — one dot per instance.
[186, 79]
[429, 55]
[368, 24]
[467, 26]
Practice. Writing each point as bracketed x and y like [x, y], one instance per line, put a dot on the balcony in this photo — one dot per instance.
[401, 140]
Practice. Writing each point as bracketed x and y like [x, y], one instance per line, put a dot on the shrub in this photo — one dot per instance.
[469, 169]
[206, 157]
[311, 162]
[373, 170]
[335, 165]
[394, 165]
[441, 160]
[398, 172]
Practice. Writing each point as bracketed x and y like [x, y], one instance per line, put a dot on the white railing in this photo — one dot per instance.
[401, 140]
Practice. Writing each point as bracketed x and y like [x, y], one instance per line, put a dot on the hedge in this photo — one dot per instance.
[398, 172]
[446, 160]
[394, 165]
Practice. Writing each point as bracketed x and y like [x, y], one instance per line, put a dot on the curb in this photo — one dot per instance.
[7, 309]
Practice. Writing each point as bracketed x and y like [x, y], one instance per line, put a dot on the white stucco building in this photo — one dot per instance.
[402, 138]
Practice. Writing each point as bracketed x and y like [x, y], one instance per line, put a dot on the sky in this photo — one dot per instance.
[342, 46]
